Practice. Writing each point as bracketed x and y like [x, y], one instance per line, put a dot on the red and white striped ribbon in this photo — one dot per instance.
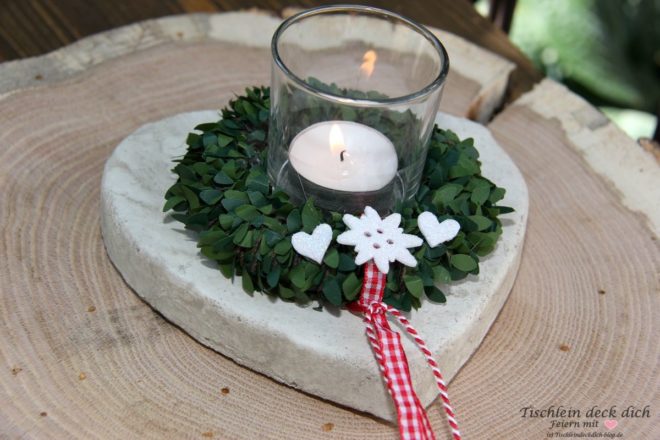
[388, 350]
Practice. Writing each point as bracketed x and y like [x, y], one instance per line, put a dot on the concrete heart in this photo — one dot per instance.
[313, 246]
[153, 256]
[610, 424]
[435, 232]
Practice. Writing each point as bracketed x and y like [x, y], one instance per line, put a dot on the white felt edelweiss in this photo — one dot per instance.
[315, 245]
[436, 232]
[379, 239]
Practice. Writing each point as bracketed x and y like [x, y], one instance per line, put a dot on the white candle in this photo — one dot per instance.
[345, 156]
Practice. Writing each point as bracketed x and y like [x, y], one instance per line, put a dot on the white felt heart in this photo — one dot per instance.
[435, 232]
[313, 246]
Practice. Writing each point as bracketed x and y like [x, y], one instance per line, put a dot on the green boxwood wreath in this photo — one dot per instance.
[245, 225]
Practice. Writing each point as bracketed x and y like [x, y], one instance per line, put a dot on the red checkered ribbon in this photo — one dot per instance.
[388, 350]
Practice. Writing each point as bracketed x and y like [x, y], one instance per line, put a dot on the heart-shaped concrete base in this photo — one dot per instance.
[323, 353]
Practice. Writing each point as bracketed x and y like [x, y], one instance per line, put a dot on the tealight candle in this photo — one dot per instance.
[344, 156]
[354, 94]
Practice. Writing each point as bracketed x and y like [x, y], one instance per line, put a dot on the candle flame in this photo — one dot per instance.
[368, 63]
[336, 139]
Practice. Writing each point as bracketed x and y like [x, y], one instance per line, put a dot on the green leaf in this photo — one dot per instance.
[435, 294]
[210, 196]
[195, 222]
[460, 204]
[435, 252]
[463, 262]
[248, 108]
[172, 202]
[229, 124]
[311, 217]
[311, 269]
[425, 272]
[332, 258]
[208, 252]
[246, 281]
[267, 209]
[441, 275]
[351, 286]
[346, 263]
[293, 221]
[257, 199]
[191, 197]
[248, 240]
[274, 225]
[263, 248]
[240, 233]
[482, 242]
[209, 237]
[209, 139]
[283, 247]
[273, 277]
[505, 209]
[247, 212]
[465, 167]
[227, 270]
[257, 181]
[231, 204]
[185, 173]
[348, 113]
[222, 179]
[480, 195]
[224, 140]
[258, 221]
[237, 195]
[332, 291]
[225, 244]
[257, 135]
[481, 222]
[286, 293]
[414, 284]
[207, 126]
[272, 238]
[496, 195]
[301, 297]
[446, 194]
[230, 169]
[203, 168]
[436, 178]
[226, 221]
[297, 276]
[194, 140]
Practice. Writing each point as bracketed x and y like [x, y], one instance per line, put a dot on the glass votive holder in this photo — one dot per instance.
[354, 94]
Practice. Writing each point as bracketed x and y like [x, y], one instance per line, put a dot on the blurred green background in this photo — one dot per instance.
[608, 51]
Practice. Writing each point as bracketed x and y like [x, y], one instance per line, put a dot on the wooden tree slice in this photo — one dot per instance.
[82, 357]
[631, 171]
[580, 327]
[475, 86]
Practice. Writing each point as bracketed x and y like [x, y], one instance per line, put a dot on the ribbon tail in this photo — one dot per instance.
[411, 415]
[388, 350]
[442, 386]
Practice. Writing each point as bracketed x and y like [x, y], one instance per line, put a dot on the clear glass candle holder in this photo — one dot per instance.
[354, 94]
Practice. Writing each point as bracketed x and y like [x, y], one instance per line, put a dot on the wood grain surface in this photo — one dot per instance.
[82, 357]
[34, 27]
[482, 75]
